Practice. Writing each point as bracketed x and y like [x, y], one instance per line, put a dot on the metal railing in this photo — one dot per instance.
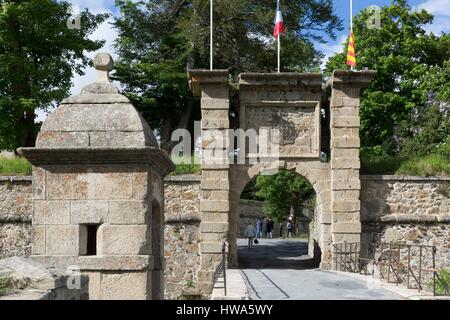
[394, 264]
[222, 269]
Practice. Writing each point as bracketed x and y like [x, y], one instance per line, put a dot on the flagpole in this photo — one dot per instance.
[351, 15]
[279, 53]
[351, 24]
[211, 51]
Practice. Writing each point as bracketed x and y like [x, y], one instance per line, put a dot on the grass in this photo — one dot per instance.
[186, 168]
[430, 165]
[186, 165]
[14, 166]
[20, 166]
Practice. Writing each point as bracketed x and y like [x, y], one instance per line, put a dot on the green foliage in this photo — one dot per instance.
[429, 165]
[243, 32]
[412, 67]
[281, 191]
[186, 168]
[444, 274]
[159, 39]
[15, 166]
[432, 134]
[380, 164]
[250, 191]
[190, 284]
[39, 55]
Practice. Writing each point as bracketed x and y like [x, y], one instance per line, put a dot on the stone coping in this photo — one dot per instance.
[16, 178]
[209, 76]
[181, 178]
[75, 156]
[284, 78]
[184, 178]
[403, 178]
[199, 77]
[100, 263]
[357, 79]
[407, 218]
[198, 178]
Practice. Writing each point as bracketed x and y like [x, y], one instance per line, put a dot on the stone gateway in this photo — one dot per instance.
[292, 103]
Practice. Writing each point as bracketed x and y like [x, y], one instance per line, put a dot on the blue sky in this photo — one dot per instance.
[440, 8]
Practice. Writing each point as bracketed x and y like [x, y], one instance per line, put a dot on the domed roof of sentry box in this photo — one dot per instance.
[99, 117]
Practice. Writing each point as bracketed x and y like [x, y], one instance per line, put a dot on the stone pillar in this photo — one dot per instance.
[98, 192]
[345, 162]
[212, 86]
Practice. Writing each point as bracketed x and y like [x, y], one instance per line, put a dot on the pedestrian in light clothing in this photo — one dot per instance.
[250, 234]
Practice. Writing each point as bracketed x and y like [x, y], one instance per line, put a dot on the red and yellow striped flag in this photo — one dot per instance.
[351, 56]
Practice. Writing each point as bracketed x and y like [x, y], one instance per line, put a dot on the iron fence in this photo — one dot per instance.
[222, 270]
[406, 264]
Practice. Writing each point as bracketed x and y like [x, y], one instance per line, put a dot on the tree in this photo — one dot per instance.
[403, 54]
[283, 193]
[39, 55]
[428, 131]
[159, 39]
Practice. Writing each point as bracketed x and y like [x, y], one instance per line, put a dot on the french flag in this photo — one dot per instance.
[279, 23]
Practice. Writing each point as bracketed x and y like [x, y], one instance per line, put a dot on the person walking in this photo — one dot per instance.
[250, 233]
[259, 228]
[264, 228]
[270, 227]
[290, 228]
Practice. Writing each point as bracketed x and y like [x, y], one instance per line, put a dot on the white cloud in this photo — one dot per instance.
[330, 50]
[436, 7]
[441, 11]
[94, 6]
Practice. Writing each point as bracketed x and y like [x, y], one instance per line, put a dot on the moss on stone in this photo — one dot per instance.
[4, 286]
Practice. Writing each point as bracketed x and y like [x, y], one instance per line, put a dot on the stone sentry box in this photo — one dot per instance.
[98, 192]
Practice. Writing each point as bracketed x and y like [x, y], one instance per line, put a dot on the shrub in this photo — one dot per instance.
[431, 165]
[444, 275]
[186, 168]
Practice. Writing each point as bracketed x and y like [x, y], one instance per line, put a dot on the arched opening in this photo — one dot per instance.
[280, 211]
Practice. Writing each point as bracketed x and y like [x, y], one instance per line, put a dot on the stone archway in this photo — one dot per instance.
[291, 102]
[315, 172]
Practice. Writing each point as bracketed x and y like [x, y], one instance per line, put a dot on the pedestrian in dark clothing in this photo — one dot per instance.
[259, 228]
[290, 228]
[270, 227]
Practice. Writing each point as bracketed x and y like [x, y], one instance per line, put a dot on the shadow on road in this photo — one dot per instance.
[275, 254]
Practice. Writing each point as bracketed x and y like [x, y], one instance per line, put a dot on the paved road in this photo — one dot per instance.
[281, 269]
